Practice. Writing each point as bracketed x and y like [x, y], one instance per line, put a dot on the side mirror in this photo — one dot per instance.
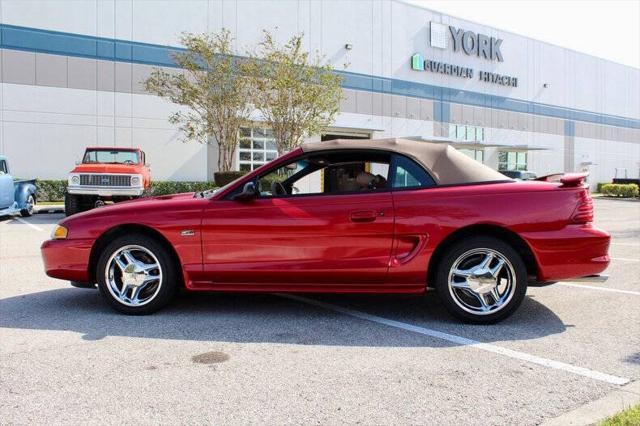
[249, 192]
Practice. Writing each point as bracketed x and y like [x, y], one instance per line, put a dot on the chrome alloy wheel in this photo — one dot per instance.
[29, 205]
[133, 275]
[482, 281]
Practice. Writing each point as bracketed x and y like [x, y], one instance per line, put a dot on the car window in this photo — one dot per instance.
[408, 174]
[3, 166]
[337, 173]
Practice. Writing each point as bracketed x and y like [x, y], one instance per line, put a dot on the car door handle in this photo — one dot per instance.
[359, 216]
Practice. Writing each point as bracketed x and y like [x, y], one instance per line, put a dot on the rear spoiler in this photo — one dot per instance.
[568, 180]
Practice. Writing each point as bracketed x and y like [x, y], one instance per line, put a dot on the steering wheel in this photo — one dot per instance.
[277, 189]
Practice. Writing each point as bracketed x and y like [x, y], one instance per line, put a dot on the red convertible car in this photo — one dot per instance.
[345, 216]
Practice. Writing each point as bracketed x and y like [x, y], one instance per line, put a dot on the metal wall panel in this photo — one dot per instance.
[82, 73]
[51, 70]
[18, 67]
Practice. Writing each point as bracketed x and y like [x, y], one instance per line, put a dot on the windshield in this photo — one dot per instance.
[212, 192]
[110, 156]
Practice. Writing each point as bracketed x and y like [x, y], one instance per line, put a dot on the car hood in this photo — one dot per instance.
[107, 168]
[148, 200]
[139, 205]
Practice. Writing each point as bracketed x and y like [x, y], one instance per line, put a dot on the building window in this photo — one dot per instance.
[466, 133]
[476, 154]
[257, 147]
[512, 160]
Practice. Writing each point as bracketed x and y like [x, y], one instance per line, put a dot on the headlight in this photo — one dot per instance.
[74, 180]
[59, 233]
[135, 180]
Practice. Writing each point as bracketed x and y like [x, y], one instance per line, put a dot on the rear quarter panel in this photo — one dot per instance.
[435, 213]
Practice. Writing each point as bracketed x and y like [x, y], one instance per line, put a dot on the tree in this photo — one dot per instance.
[209, 85]
[297, 94]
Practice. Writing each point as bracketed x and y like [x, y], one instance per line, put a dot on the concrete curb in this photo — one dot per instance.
[53, 208]
[595, 411]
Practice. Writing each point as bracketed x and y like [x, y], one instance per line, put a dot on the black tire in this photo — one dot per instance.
[518, 272]
[72, 204]
[169, 268]
[31, 202]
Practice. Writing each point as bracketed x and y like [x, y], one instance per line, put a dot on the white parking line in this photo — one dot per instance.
[30, 225]
[626, 244]
[625, 259]
[463, 341]
[591, 287]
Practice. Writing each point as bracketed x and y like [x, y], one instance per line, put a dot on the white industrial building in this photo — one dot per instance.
[71, 77]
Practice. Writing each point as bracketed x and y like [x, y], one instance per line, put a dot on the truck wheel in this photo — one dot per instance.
[136, 274]
[72, 204]
[28, 206]
[481, 280]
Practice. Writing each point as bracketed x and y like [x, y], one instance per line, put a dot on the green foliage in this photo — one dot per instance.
[618, 190]
[600, 185]
[297, 94]
[630, 417]
[223, 178]
[209, 85]
[54, 190]
[50, 190]
[167, 188]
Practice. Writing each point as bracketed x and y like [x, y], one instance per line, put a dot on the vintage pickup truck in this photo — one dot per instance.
[16, 196]
[106, 174]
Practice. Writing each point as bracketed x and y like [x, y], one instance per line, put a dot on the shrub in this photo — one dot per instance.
[168, 187]
[51, 190]
[619, 190]
[54, 190]
[223, 178]
[600, 185]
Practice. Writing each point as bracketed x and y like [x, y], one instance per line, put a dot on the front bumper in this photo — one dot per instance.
[105, 191]
[67, 259]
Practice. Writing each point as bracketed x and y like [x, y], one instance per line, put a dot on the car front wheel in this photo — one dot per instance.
[136, 275]
[481, 280]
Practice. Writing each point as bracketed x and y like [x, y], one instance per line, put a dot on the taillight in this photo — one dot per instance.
[584, 210]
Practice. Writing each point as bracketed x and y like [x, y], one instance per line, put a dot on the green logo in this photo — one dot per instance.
[417, 62]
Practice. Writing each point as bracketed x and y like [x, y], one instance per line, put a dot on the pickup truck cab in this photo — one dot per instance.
[16, 196]
[106, 174]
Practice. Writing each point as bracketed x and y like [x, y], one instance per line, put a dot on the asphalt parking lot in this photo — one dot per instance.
[268, 359]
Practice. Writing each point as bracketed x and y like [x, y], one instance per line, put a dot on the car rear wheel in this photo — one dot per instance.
[29, 207]
[481, 280]
[136, 275]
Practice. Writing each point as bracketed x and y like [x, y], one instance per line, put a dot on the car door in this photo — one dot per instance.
[308, 240]
[6, 186]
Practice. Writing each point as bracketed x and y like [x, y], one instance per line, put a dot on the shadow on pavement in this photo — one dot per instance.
[267, 318]
[38, 219]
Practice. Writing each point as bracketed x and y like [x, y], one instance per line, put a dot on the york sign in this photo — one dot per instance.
[468, 42]
[476, 44]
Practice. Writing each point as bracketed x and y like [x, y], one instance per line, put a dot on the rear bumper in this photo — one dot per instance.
[106, 191]
[571, 253]
[67, 259]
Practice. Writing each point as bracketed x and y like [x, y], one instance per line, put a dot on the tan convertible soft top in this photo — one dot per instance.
[447, 165]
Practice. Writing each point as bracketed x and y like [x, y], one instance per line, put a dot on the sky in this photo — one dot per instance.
[608, 29]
